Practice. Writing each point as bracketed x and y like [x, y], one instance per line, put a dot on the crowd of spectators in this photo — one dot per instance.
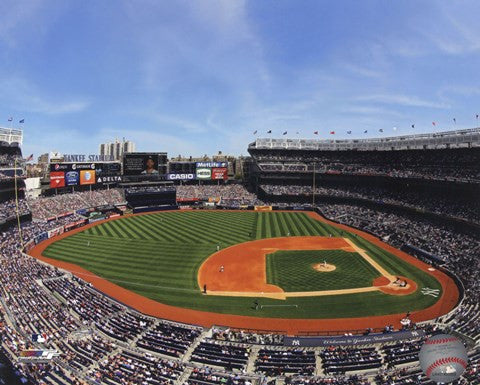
[437, 204]
[288, 361]
[169, 339]
[10, 174]
[202, 376]
[454, 165]
[222, 355]
[454, 174]
[241, 336]
[337, 359]
[8, 160]
[8, 209]
[123, 347]
[128, 368]
[232, 195]
[148, 189]
[48, 207]
[459, 251]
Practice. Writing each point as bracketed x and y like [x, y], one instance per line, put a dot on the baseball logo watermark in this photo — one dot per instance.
[443, 358]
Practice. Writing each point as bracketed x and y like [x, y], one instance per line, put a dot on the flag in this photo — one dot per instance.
[434, 123]
[29, 158]
[381, 130]
[269, 131]
[365, 131]
[477, 116]
[255, 132]
[10, 119]
[285, 133]
[454, 120]
[349, 132]
[21, 121]
[413, 125]
[315, 132]
[332, 132]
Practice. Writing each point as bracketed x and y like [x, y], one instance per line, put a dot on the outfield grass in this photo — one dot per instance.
[158, 256]
[292, 270]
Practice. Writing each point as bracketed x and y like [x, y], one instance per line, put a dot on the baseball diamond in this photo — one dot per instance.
[159, 263]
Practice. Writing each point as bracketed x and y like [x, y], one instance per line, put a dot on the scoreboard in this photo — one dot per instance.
[153, 164]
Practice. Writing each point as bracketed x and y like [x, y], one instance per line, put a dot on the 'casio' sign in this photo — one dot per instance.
[180, 176]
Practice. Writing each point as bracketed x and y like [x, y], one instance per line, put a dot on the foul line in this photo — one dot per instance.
[371, 261]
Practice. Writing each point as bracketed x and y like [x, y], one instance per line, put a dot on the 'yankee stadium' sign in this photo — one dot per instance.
[352, 340]
[87, 158]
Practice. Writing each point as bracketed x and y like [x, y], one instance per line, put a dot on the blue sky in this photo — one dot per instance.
[196, 77]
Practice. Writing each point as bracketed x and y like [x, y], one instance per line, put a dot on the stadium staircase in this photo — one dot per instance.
[188, 354]
[139, 336]
[318, 365]
[250, 368]
[184, 376]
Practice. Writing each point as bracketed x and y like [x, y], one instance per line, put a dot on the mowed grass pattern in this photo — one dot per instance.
[158, 256]
[292, 270]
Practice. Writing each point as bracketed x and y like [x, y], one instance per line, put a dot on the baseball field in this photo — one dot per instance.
[291, 265]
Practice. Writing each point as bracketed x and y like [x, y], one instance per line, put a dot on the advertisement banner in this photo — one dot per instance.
[212, 165]
[54, 232]
[263, 208]
[74, 225]
[70, 174]
[57, 179]
[41, 237]
[353, 340]
[110, 179]
[204, 173]
[219, 173]
[188, 199]
[180, 176]
[72, 178]
[98, 218]
[87, 177]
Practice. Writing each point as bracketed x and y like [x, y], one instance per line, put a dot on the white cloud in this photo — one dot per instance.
[27, 19]
[21, 95]
[403, 100]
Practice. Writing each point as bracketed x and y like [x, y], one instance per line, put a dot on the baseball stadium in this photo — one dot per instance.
[239, 192]
[296, 274]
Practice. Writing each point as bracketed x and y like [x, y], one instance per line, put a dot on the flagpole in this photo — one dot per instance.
[313, 189]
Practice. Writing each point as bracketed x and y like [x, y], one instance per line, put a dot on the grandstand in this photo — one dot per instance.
[96, 339]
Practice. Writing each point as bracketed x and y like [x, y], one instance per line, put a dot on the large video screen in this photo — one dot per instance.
[81, 174]
[153, 164]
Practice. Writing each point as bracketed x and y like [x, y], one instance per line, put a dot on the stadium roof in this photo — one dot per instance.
[11, 135]
[447, 139]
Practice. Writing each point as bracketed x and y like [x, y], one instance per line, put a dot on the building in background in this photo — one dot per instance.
[117, 148]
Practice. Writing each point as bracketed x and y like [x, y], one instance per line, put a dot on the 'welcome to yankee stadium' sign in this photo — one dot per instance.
[352, 340]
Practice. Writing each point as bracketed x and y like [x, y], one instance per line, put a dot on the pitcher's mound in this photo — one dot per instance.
[322, 267]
